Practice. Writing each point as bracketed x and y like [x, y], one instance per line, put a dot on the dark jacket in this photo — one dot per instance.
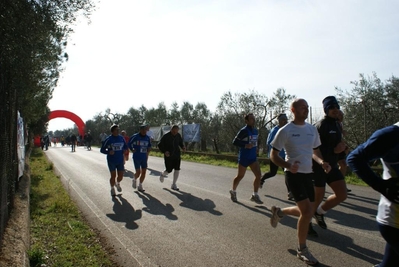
[171, 143]
[330, 136]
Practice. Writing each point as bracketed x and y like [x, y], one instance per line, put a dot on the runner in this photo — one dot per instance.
[282, 120]
[383, 144]
[140, 145]
[114, 146]
[331, 146]
[74, 140]
[247, 140]
[126, 153]
[300, 141]
[170, 145]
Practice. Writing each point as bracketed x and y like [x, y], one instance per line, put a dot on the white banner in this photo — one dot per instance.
[192, 133]
[20, 146]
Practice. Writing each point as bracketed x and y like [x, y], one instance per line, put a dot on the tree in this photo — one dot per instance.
[370, 105]
[232, 109]
[156, 116]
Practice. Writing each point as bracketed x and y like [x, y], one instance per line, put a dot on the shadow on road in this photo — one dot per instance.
[345, 244]
[348, 219]
[195, 203]
[124, 212]
[129, 174]
[156, 207]
[293, 252]
[154, 172]
[353, 220]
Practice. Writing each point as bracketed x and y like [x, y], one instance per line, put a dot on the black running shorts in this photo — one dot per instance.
[301, 185]
[321, 178]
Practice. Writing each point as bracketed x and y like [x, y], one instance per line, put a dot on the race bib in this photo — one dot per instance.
[117, 146]
[253, 139]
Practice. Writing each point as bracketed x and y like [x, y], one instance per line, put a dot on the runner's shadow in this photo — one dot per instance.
[293, 252]
[154, 172]
[124, 212]
[353, 220]
[195, 203]
[156, 207]
[256, 209]
[345, 244]
[129, 174]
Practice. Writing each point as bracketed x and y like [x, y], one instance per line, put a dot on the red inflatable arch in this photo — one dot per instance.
[69, 115]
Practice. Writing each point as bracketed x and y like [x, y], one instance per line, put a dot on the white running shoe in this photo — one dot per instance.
[275, 218]
[113, 192]
[306, 256]
[134, 185]
[140, 188]
[174, 187]
[118, 187]
[161, 178]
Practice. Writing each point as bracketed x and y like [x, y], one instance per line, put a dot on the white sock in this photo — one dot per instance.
[175, 176]
[320, 210]
[165, 173]
[255, 193]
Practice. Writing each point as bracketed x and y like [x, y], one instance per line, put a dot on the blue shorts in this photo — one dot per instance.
[140, 163]
[115, 166]
[246, 162]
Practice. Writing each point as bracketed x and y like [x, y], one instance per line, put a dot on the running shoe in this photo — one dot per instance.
[134, 185]
[161, 178]
[118, 187]
[174, 187]
[113, 192]
[275, 218]
[290, 196]
[349, 190]
[140, 188]
[320, 220]
[311, 231]
[307, 257]
[261, 183]
[256, 199]
[233, 196]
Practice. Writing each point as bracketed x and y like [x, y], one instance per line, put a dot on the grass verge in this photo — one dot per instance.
[59, 234]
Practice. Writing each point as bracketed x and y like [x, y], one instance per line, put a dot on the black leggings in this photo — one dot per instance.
[272, 173]
[391, 236]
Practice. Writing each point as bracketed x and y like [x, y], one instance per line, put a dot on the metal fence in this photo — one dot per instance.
[8, 153]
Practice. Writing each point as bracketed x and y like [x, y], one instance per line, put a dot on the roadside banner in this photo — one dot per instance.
[20, 146]
[192, 133]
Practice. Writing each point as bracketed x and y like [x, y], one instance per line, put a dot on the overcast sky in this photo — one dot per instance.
[145, 52]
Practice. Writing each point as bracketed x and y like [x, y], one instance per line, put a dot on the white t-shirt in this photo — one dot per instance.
[298, 141]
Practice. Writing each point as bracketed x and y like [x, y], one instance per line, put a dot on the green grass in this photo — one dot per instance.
[59, 234]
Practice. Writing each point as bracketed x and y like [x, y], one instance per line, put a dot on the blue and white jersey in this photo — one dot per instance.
[116, 144]
[141, 144]
[383, 144]
[247, 135]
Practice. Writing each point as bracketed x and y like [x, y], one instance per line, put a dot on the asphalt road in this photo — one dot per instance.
[201, 226]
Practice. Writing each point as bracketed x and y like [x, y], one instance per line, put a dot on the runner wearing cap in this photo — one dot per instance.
[140, 145]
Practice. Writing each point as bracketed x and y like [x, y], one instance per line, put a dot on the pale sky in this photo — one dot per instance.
[145, 52]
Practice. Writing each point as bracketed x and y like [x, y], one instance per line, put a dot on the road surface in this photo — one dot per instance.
[201, 226]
